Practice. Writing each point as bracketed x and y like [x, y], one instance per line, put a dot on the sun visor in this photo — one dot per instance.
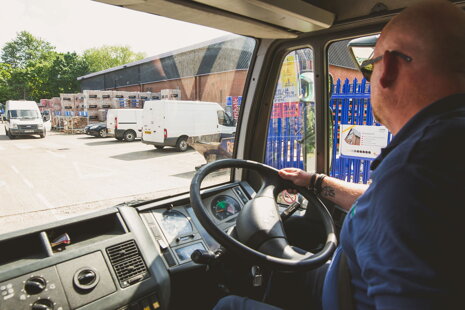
[271, 19]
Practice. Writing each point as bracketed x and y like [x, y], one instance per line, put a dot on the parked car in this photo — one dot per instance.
[97, 130]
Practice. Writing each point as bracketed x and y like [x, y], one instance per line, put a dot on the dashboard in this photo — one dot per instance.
[119, 258]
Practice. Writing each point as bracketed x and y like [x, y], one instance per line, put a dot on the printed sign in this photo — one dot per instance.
[286, 99]
[285, 109]
[363, 141]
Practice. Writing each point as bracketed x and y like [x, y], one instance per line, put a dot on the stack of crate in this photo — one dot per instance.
[119, 101]
[143, 97]
[68, 104]
[133, 100]
[81, 109]
[91, 103]
[171, 94]
[156, 96]
[105, 104]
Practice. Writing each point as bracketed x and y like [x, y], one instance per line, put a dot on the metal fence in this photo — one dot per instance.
[284, 148]
[350, 104]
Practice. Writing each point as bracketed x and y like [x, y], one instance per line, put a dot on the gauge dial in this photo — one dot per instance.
[224, 206]
[174, 224]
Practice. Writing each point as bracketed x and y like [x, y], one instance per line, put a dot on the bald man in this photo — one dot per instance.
[403, 234]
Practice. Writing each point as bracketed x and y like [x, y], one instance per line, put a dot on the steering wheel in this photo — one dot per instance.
[260, 232]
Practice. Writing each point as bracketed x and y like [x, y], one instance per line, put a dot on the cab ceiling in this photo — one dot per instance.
[272, 19]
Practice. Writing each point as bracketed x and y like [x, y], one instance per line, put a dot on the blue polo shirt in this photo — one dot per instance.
[404, 237]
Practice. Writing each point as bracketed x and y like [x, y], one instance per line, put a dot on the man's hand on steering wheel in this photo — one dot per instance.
[260, 232]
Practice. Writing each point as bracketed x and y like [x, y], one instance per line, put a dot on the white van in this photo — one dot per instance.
[125, 124]
[23, 118]
[172, 122]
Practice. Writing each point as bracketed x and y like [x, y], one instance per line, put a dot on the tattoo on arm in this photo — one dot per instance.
[328, 191]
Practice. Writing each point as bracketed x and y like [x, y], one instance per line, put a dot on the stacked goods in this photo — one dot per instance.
[119, 101]
[156, 96]
[171, 94]
[74, 124]
[93, 115]
[58, 122]
[43, 103]
[92, 98]
[79, 102]
[144, 97]
[68, 103]
[107, 99]
[55, 105]
[102, 115]
[132, 101]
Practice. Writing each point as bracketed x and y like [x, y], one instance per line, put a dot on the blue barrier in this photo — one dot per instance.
[350, 104]
[284, 141]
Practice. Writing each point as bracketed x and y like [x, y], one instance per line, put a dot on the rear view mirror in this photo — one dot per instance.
[362, 49]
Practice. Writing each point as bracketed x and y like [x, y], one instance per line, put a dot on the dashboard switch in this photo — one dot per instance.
[43, 304]
[202, 257]
[35, 285]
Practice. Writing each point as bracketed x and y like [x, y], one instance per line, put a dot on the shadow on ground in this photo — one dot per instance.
[148, 154]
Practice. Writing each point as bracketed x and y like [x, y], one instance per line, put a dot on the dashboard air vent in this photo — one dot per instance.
[127, 263]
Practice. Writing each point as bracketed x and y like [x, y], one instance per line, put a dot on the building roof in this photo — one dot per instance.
[339, 55]
[226, 53]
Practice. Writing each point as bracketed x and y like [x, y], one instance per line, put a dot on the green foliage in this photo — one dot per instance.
[106, 57]
[64, 71]
[24, 49]
[31, 69]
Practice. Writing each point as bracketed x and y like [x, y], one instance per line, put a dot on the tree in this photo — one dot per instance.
[5, 75]
[106, 57]
[25, 48]
[64, 71]
[32, 69]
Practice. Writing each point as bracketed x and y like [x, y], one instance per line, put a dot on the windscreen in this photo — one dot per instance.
[27, 114]
[52, 52]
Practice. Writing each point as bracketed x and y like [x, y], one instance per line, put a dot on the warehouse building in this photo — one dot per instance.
[209, 71]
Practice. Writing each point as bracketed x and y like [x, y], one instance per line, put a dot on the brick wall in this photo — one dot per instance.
[213, 87]
[344, 73]
[217, 86]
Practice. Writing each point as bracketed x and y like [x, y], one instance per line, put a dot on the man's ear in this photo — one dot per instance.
[390, 69]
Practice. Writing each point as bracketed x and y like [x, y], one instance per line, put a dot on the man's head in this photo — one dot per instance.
[430, 34]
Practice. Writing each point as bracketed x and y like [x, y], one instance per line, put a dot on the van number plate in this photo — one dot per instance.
[29, 131]
[148, 132]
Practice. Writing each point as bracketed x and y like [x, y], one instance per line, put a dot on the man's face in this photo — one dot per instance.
[378, 96]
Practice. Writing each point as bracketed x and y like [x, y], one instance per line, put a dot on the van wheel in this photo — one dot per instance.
[42, 135]
[129, 135]
[181, 145]
[102, 133]
[159, 147]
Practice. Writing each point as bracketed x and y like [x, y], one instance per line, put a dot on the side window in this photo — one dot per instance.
[357, 138]
[221, 117]
[291, 131]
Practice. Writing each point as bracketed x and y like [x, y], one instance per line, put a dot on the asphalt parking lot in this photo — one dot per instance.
[42, 180]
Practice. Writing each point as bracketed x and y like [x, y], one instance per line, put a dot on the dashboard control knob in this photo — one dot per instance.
[35, 285]
[43, 304]
[86, 278]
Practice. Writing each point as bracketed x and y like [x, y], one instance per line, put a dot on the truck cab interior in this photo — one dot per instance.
[188, 250]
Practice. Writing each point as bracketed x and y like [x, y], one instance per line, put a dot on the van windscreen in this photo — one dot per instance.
[31, 114]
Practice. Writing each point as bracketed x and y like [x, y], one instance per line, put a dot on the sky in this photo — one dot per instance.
[77, 25]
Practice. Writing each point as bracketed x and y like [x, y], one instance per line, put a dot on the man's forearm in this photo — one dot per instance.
[341, 192]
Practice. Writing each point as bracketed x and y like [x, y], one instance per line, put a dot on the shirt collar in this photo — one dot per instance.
[421, 120]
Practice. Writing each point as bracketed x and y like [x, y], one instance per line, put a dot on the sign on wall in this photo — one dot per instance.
[362, 141]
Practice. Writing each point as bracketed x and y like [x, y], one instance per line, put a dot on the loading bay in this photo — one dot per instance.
[43, 180]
